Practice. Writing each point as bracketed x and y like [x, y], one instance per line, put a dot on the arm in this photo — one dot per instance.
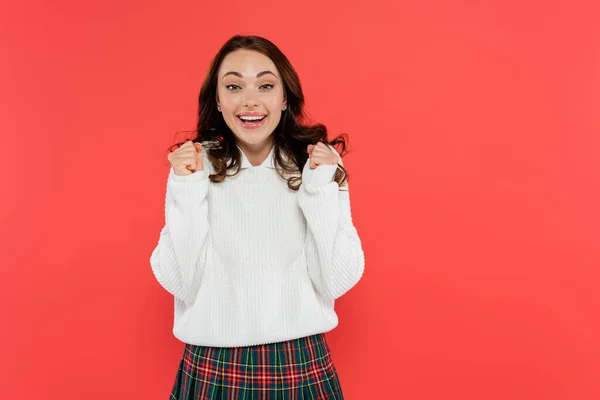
[179, 258]
[336, 259]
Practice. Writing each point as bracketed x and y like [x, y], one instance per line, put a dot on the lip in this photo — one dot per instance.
[254, 125]
[251, 114]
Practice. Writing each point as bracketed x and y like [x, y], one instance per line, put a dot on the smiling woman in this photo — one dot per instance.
[258, 240]
[250, 76]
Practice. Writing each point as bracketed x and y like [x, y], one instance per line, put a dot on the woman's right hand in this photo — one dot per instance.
[187, 159]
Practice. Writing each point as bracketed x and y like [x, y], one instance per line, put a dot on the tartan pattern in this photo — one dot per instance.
[294, 369]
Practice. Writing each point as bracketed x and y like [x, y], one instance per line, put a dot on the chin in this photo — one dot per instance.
[252, 138]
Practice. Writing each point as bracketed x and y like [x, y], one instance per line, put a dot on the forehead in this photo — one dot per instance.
[247, 62]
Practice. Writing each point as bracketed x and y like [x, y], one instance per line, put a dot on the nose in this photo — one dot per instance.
[250, 100]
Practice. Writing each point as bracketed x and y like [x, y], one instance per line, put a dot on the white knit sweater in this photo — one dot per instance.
[250, 261]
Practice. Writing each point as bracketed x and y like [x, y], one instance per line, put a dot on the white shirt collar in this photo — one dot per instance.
[267, 163]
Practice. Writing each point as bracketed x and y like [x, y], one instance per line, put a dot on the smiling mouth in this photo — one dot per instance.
[251, 119]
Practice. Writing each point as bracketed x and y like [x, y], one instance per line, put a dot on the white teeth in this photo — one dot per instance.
[251, 118]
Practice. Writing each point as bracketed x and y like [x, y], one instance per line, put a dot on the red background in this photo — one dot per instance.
[475, 189]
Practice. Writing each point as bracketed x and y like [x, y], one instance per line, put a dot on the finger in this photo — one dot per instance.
[328, 155]
[186, 150]
[311, 154]
[320, 148]
[185, 145]
[191, 164]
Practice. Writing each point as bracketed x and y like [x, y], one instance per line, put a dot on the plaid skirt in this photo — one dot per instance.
[294, 369]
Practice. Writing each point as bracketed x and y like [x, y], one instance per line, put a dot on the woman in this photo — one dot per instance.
[258, 239]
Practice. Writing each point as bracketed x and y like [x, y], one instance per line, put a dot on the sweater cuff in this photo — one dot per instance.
[318, 177]
[193, 177]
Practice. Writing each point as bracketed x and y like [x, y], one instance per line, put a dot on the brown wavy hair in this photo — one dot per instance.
[291, 136]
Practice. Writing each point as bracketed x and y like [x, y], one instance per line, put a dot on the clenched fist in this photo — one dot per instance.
[320, 154]
[187, 159]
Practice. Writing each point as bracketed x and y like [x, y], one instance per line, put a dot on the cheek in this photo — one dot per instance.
[275, 117]
[275, 103]
[228, 100]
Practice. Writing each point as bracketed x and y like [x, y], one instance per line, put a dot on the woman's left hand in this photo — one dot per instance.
[320, 154]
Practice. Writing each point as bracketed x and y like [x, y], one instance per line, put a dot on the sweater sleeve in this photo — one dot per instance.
[179, 258]
[334, 252]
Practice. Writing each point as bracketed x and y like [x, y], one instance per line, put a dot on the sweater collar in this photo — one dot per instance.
[267, 163]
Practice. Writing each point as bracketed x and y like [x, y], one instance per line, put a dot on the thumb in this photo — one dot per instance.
[310, 148]
[198, 158]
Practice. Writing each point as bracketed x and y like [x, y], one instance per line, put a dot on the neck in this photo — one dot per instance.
[257, 153]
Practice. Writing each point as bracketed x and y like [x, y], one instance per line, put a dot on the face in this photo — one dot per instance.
[251, 96]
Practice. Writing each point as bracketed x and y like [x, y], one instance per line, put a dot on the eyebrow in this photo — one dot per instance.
[241, 76]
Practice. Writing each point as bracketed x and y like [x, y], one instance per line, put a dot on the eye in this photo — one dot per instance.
[232, 87]
[267, 86]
